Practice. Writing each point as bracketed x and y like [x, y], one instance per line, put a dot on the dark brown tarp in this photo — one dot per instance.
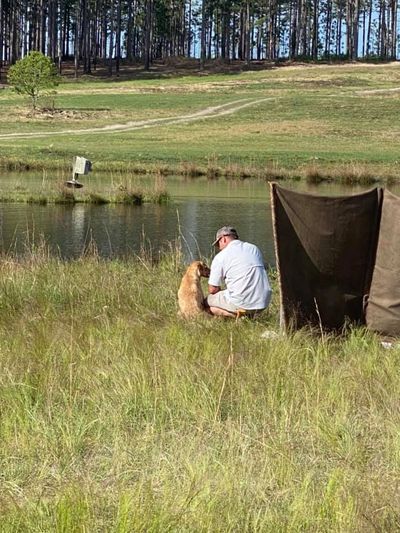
[383, 310]
[325, 248]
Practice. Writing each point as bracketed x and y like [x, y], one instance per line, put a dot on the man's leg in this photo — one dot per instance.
[217, 311]
[218, 305]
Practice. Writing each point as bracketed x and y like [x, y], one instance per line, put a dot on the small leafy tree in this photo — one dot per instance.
[34, 75]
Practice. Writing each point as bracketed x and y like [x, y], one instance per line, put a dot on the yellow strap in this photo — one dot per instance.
[240, 313]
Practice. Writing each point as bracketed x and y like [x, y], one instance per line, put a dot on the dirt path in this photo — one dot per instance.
[209, 112]
[378, 91]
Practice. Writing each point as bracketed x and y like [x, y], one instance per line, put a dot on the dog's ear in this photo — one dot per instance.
[204, 270]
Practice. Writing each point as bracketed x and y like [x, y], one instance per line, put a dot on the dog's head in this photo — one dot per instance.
[202, 269]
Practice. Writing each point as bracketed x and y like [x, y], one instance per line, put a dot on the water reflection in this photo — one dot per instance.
[198, 210]
[122, 230]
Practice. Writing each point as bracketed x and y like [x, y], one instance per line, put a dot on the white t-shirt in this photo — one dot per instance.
[241, 267]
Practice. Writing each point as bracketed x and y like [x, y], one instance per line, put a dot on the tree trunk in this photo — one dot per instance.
[189, 29]
[147, 34]
[1, 37]
[315, 31]
[129, 32]
[369, 29]
[60, 40]
[118, 39]
[328, 29]
[76, 39]
[203, 35]
[393, 50]
[111, 40]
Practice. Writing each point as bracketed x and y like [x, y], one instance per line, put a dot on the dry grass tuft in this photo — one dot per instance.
[213, 169]
[64, 195]
[313, 174]
[234, 170]
[190, 169]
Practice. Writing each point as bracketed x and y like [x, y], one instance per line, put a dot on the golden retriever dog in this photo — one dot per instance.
[190, 294]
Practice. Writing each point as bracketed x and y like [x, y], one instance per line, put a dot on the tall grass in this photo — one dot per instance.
[59, 193]
[116, 415]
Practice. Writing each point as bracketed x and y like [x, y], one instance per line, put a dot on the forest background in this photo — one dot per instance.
[106, 32]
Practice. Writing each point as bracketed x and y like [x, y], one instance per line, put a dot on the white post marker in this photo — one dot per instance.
[81, 166]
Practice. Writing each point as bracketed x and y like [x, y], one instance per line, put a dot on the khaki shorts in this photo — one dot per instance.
[219, 300]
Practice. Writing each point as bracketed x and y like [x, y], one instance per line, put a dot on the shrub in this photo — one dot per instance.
[34, 75]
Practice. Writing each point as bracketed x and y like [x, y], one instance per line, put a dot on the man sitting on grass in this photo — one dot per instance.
[240, 266]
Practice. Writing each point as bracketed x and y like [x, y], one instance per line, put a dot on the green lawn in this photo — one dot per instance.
[317, 115]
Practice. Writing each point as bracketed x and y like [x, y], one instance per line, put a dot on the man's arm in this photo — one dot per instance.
[216, 276]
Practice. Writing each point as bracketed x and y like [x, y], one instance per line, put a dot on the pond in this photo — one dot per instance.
[197, 209]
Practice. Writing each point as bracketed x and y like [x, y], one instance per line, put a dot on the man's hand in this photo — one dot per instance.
[212, 289]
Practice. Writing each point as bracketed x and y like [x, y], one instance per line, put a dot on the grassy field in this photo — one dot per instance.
[310, 120]
[116, 415]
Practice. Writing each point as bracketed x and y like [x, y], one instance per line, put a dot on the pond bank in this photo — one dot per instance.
[315, 171]
[68, 196]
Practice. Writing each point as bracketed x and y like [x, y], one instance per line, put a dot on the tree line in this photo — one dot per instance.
[106, 32]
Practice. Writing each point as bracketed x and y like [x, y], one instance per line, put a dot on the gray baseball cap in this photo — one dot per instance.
[224, 232]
